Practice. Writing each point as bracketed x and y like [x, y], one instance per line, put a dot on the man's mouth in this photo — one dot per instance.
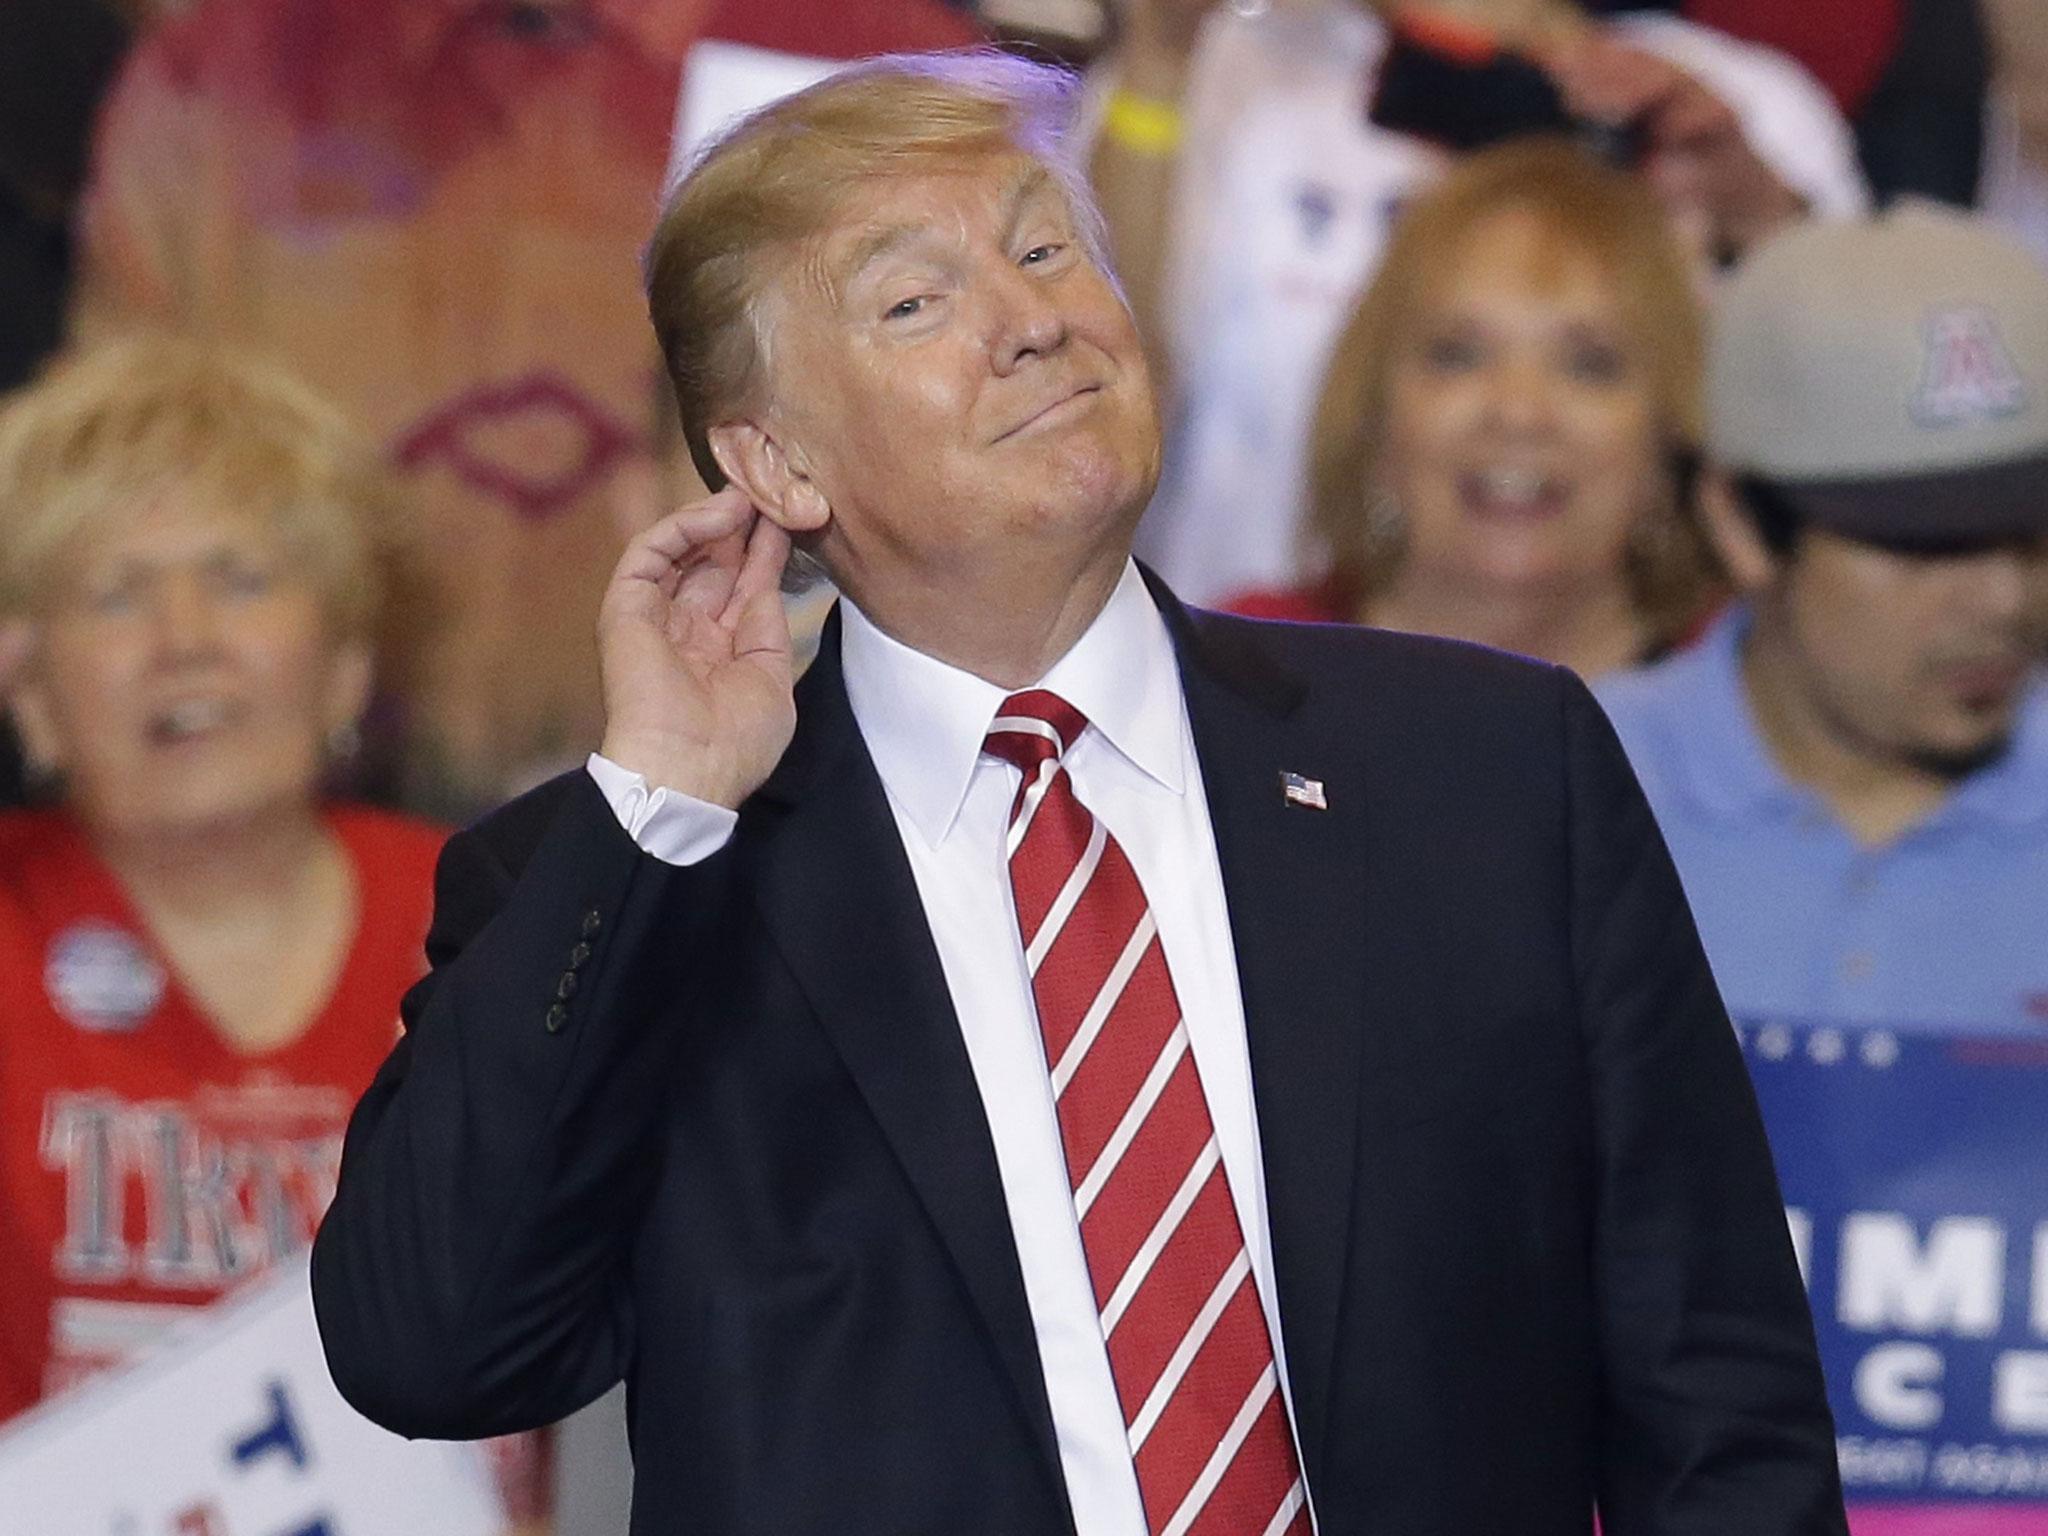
[1070, 402]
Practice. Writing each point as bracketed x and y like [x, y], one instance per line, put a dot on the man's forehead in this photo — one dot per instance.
[901, 210]
[897, 207]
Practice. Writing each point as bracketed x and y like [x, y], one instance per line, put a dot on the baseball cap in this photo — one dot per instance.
[1888, 377]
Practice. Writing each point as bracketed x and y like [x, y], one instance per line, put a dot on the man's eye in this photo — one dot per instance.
[1041, 253]
[904, 309]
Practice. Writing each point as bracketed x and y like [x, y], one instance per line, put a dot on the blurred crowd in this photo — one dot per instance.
[1702, 348]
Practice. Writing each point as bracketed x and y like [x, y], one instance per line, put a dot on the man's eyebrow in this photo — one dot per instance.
[881, 241]
[1025, 185]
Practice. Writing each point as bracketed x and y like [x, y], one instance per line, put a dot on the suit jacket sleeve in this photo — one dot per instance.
[1717, 1419]
[468, 1278]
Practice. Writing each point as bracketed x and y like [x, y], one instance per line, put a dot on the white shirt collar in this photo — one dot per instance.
[924, 721]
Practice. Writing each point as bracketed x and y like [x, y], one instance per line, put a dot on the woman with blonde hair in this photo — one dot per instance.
[205, 948]
[205, 953]
[1504, 443]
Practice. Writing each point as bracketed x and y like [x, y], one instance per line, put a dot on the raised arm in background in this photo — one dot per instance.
[1137, 155]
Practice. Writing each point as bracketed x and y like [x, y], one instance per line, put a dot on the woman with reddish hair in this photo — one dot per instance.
[1503, 443]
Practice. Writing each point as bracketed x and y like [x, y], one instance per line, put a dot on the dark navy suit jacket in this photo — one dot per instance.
[713, 1130]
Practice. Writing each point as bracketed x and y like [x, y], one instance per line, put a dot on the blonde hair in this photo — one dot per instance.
[107, 430]
[776, 179]
[1586, 207]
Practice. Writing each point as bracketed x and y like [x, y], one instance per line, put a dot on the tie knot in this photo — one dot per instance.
[1033, 726]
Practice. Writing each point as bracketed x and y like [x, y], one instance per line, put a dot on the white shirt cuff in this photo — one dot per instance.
[674, 827]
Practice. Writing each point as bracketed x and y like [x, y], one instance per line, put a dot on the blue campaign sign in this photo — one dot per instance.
[1915, 1171]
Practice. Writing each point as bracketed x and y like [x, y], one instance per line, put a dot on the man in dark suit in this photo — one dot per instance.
[1073, 1064]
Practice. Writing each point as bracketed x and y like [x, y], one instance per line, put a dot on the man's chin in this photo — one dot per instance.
[1088, 492]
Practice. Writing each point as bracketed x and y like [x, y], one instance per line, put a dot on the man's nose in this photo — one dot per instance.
[1025, 320]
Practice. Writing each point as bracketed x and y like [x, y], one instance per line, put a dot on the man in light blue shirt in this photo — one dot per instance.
[1852, 767]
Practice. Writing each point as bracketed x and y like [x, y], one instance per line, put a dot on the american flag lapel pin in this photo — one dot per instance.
[1305, 792]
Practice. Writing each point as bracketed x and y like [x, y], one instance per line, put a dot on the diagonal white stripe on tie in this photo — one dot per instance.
[1134, 1118]
[1289, 1507]
[1219, 1463]
[1156, 1240]
[1104, 1004]
[1028, 725]
[1034, 796]
[1184, 1353]
[1070, 894]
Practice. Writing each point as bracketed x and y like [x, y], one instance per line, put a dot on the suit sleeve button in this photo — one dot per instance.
[557, 1016]
[578, 955]
[565, 988]
[592, 921]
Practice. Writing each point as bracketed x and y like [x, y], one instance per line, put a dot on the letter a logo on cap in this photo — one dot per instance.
[1969, 375]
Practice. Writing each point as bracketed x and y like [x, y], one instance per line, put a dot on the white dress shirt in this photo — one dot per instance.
[924, 723]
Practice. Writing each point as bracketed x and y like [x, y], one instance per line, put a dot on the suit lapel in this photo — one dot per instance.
[1294, 884]
[836, 888]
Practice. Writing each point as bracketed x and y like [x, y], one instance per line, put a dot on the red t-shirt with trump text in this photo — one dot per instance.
[146, 1167]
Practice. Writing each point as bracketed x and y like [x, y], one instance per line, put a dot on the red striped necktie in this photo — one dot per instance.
[1187, 1338]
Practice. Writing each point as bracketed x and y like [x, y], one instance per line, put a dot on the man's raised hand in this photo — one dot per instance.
[695, 652]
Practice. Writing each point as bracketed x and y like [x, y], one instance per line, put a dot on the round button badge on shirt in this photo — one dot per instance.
[102, 978]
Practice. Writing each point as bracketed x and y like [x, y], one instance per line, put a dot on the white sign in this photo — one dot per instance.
[234, 1429]
[723, 81]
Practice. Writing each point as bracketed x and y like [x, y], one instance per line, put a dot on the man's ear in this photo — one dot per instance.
[775, 477]
[1733, 533]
